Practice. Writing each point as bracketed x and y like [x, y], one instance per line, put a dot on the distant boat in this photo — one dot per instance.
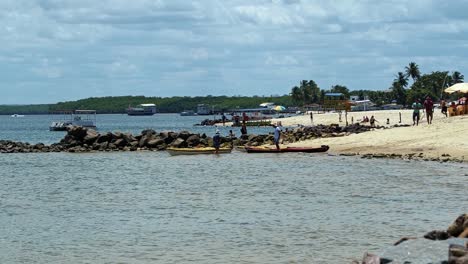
[188, 113]
[16, 115]
[142, 110]
[83, 118]
[204, 109]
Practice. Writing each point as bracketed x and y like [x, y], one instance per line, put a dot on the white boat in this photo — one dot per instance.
[188, 113]
[142, 110]
[16, 115]
[83, 118]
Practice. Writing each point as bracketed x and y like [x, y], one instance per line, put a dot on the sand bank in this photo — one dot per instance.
[445, 139]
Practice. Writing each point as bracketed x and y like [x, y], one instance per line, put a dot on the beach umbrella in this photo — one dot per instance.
[459, 87]
[279, 108]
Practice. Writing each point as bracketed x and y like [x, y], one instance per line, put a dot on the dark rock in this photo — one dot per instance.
[104, 138]
[184, 135]
[120, 143]
[179, 143]
[154, 143]
[193, 140]
[77, 132]
[91, 137]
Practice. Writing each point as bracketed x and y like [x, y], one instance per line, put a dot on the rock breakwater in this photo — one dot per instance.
[79, 139]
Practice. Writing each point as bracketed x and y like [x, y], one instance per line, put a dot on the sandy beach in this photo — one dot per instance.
[445, 139]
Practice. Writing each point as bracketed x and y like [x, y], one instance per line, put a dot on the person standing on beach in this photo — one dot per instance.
[277, 135]
[243, 129]
[443, 105]
[416, 107]
[372, 121]
[217, 141]
[232, 137]
[429, 105]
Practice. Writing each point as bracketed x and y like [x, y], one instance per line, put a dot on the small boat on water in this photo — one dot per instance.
[84, 118]
[16, 115]
[322, 148]
[188, 113]
[142, 110]
[196, 151]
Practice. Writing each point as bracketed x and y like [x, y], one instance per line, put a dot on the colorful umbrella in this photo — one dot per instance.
[279, 108]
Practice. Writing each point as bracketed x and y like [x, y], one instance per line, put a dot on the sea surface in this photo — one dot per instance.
[149, 207]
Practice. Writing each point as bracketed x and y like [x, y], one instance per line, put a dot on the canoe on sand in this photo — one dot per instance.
[322, 148]
[196, 151]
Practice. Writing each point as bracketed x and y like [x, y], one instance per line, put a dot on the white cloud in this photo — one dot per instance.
[246, 47]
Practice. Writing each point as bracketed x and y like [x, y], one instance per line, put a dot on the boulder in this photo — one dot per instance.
[193, 140]
[91, 137]
[154, 143]
[104, 138]
[120, 143]
[184, 135]
[148, 132]
[128, 137]
[179, 143]
[77, 132]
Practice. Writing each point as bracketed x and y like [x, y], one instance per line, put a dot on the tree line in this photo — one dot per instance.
[408, 85]
[176, 104]
[422, 85]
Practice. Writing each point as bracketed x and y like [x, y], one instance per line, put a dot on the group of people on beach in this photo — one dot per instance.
[429, 108]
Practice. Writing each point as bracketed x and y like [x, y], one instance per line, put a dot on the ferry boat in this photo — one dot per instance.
[84, 118]
[142, 110]
[204, 109]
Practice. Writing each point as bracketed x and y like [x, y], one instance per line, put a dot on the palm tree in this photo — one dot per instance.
[457, 77]
[412, 70]
[401, 79]
[296, 94]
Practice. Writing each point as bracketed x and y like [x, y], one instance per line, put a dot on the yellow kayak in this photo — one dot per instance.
[196, 151]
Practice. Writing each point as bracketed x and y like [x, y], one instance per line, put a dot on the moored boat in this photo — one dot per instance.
[83, 118]
[322, 148]
[142, 110]
[196, 151]
[188, 113]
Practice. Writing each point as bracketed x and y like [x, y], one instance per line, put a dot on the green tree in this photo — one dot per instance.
[412, 70]
[399, 92]
[306, 91]
[401, 79]
[457, 77]
[340, 89]
[296, 95]
[315, 92]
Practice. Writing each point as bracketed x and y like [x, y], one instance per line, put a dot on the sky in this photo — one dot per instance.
[59, 50]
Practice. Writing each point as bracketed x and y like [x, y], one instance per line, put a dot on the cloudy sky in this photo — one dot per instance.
[60, 50]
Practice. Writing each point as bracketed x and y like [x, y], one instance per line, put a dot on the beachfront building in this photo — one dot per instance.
[335, 102]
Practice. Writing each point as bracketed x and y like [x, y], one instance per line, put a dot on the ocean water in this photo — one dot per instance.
[35, 128]
[149, 207]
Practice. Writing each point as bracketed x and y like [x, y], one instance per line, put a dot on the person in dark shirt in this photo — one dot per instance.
[429, 106]
[217, 141]
[243, 129]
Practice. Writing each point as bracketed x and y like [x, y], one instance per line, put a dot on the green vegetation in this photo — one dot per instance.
[431, 84]
[308, 92]
[119, 104]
